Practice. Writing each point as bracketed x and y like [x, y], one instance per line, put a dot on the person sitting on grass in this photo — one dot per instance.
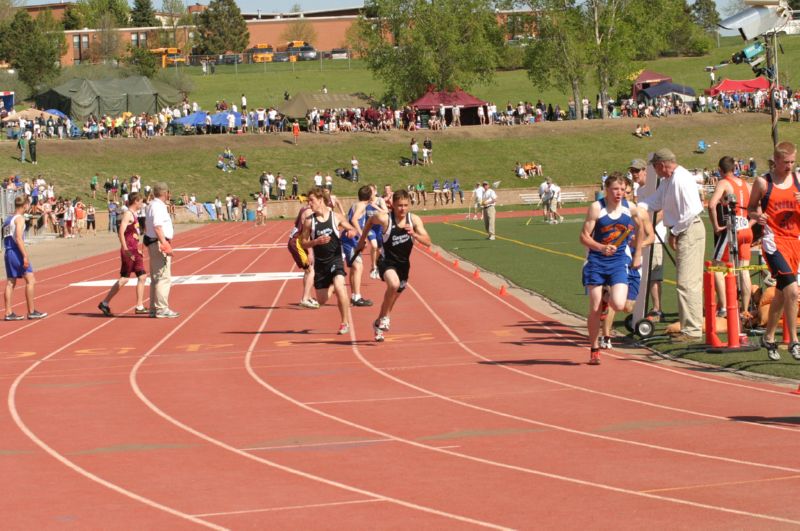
[242, 162]
[646, 131]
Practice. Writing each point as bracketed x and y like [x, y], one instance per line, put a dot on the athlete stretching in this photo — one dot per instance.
[321, 232]
[399, 229]
[606, 233]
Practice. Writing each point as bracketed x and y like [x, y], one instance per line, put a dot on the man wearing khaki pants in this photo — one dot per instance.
[158, 235]
[679, 200]
[488, 201]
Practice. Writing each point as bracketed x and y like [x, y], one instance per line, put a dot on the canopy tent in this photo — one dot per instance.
[740, 85]
[79, 98]
[196, 119]
[220, 119]
[301, 103]
[687, 94]
[433, 99]
[647, 79]
[29, 114]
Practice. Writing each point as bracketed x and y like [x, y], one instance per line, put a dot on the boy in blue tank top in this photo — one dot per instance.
[607, 231]
[17, 262]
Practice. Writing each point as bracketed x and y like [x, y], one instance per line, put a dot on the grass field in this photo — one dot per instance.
[547, 259]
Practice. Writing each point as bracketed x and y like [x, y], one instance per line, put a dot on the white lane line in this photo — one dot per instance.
[15, 415]
[317, 445]
[356, 401]
[185, 280]
[290, 508]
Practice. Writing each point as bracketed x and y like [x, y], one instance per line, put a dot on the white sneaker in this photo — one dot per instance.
[384, 323]
[374, 274]
[167, 314]
[309, 303]
[376, 327]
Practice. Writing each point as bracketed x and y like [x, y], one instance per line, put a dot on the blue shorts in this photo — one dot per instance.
[595, 274]
[349, 251]
[376, 234]
[634, 280]
[14, 267]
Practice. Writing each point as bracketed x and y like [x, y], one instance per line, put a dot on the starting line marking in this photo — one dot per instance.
[205, 279]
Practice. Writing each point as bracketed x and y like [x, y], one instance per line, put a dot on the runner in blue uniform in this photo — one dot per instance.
[357, 216]
[376, 204]
[607, 230]
[16, 260]
[399, 230]
[321, 232]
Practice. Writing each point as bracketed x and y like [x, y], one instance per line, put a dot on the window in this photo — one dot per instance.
[143, 40]
[134, 40]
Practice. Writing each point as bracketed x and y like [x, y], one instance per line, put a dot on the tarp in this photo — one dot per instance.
[56, 112]
[221, 119]
[79, 98]
[195, 119]
[740, 85]
[646, 79]
[29, 114]
[301, 103]
[433, 99]
[667, 88]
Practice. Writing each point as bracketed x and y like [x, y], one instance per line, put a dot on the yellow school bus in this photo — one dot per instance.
[169, 56]
[262, 53]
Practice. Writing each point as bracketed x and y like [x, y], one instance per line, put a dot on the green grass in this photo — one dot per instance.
[528, 255]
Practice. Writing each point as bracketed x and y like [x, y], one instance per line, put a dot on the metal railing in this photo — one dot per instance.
[265, 62]
[7, 202]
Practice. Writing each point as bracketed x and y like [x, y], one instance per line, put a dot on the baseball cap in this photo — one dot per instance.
[638, 164]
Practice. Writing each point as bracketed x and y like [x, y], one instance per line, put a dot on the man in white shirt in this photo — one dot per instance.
[318, 179]
[270, 185]
[488, 200]
[354, 169]
[158, 235]
[477, 198]
[679, 201]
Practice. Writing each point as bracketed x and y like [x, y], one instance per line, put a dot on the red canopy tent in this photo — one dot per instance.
[433, 99]
[740, 85]
[646, 79]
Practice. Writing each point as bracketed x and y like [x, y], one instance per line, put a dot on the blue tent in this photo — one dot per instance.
[195, 119]
[57, 113]
[221, 119]
[662, 89]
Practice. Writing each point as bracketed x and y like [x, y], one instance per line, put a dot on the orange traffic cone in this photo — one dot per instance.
[796, 391]
[503, 291]
[455, 264]
[437, 255]
[476, 273]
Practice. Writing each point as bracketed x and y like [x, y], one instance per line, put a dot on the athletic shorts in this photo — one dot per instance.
[324, 273]
[14, 265]
[376, 234]
[783, 263]
[298, 252]
[634, 281]
[401, 268]
[349, 251]
[744, 239]
[605, 274]
[131, 266]
[657, 263]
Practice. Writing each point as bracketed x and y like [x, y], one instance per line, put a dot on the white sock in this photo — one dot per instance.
[356, 296]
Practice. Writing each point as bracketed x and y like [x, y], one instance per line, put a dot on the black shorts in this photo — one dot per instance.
[324, 272]
[401, 268]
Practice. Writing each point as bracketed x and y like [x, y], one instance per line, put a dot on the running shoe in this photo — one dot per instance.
[384, 323]
[35, 314]
[376, 327]
[309, 303]
[13, 317]
[141, 310]
[594, 357]
[772, 349]
[167, 314]
[344, 329]
[361, 302]
[722, 312]
[374, 274]
[794, 350]
[605, 342]
[105, 308]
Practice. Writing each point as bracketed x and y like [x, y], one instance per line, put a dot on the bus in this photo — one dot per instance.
[300, 51]
[262, 53]
[169, 56]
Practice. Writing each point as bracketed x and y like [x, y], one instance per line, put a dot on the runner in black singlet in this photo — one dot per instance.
[400, 229]
[321, 232]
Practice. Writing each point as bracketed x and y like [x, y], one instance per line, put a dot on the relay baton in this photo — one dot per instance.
[621, 238]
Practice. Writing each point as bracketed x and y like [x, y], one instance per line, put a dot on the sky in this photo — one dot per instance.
[270, 6]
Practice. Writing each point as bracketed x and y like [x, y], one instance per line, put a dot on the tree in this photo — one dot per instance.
[558, 56]
[91, 12]
[175, 11]
[7, 10]
[705, 15]
[106, 47]
[299, 29]
[74, 17]
[33, 47]
[145, 63]
[220, 28]
[143, 15]
[414, 44]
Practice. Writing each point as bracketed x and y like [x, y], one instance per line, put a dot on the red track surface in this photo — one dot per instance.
[249, 412]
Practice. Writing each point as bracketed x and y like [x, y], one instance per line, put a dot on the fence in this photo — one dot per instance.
[244, 63]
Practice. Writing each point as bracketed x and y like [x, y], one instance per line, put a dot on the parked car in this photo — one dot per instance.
[280, 57]
[340, 53]
[303, 53]
[230, 59]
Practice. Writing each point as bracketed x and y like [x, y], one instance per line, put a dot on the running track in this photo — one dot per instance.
[249, 412]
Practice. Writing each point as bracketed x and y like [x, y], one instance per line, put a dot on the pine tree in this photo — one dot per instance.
[143, 15]
[221, 28]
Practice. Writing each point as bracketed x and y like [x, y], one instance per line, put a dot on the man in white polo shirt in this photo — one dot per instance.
[158, 235]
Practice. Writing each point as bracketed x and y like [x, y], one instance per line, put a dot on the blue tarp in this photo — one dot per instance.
[212, 211]
[57, 113]
[656, 91]
[195, 119]
[221, 119]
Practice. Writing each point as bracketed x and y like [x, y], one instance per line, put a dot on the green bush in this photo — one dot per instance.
[512, 58]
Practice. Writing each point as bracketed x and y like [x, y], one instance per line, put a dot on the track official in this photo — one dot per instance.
[488, 200]
[158, 239]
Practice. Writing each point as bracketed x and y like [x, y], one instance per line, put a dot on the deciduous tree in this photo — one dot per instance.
[33, 47]
[221, 28]
[705, 14]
